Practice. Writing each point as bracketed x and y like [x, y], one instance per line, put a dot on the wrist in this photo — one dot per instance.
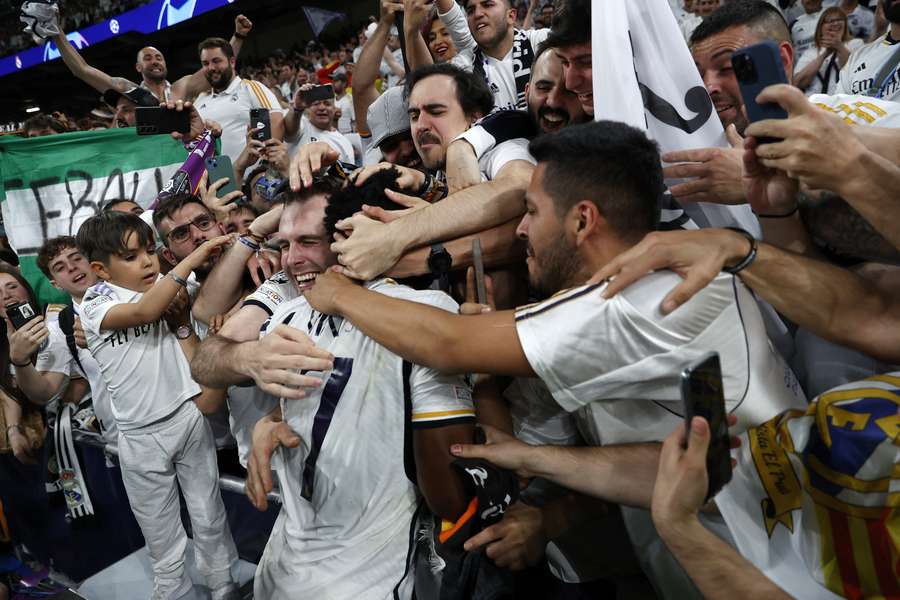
[19, 364]
[677, 530]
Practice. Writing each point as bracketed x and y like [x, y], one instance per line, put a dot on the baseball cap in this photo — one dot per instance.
[388, 115]
[138, 95]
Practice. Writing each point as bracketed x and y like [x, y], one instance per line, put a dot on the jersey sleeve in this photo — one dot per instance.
[55, 356]
[455, 22]
[262, 97]
[503, 154]
[97, 303]
[270, 295]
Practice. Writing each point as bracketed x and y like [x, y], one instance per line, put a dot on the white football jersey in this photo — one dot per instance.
[622, 358]
[864, 64]
[348, 523]
[144, 368]
[272, 293]
[803, 32]
[860, 110]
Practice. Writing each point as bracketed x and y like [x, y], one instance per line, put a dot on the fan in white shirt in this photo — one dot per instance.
[873, 69]
[319, 127]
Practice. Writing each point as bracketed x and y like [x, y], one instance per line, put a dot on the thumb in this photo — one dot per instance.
[402, 199]
[332, 155]
[733, 137]
[287, 437]
[374, 212]
[698, 439]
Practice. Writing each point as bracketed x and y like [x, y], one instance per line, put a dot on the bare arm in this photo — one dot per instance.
[804, 77]
[873, 193]
[417, 53]
[440, 483]
[368, 69]
[191, 86]
[39, 386]
[92, 76]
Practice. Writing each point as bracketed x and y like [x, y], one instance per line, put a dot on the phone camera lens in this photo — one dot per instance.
[744, 68]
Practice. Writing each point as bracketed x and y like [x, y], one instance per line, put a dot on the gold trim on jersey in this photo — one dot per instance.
[557, 299]
[260, 95]
[443, 414]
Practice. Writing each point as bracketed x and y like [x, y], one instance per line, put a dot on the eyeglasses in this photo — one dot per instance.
[833, 21]
[183, 232]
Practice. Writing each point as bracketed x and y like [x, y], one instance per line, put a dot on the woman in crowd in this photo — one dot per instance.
[818, 68]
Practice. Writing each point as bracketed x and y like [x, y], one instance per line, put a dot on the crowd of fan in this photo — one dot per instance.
[290, 349]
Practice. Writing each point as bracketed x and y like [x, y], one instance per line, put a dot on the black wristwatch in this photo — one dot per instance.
[439, 263]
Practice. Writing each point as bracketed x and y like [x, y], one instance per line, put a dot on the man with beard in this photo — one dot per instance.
[150, 64]
[498, 53]
[873, 69]
[318, 127]
[593, 195]
[231, 99]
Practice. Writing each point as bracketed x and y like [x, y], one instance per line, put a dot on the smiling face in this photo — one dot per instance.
[186, 230]
[551, 105]
[71, 272]
[305, 246]
[136, 268]
[217, 68]
[811, 6]
[704, 8]
[713, 59]
[435, 118]
[440, 44]
[490, 21]
[321, 113]
[576, 64]
[151, 64]
[11, 291]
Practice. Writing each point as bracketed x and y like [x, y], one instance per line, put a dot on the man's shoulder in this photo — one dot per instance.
[289, 310]
[435, 298]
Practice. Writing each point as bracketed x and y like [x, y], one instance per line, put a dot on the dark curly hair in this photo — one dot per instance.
[349, 200]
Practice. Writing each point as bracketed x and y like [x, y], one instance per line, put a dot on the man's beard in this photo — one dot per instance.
[154, 77]
[224, 79]
[498, 37]
[557, 269]
[545, 112]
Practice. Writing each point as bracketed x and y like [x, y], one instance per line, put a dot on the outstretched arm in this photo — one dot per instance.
[92, 76]
[191, 86]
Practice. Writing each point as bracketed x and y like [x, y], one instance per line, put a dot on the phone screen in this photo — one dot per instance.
[703, 394]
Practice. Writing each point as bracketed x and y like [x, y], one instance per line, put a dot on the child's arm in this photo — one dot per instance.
[155, 301]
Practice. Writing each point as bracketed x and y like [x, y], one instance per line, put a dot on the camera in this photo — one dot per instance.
[744, 69]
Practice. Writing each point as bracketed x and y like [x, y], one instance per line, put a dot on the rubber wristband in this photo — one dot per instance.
[240, 36]
[784, 216]
[747, 260]
[15, 364]
[249, 243]
[178, 279]
[17, 427]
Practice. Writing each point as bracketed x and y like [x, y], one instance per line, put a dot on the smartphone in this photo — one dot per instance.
[703, 395]
[259, 119]
[19, 314]
[320, 92]
[155, 120]
[757, 67]
[478, 263]
[219, 167]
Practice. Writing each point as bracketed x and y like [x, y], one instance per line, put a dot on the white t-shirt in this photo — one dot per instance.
[861, 22]
[347, 121]
[100, 395]
[347, 524]
[499, 73]
[144, 367]
[622, 358]
[230, 108]
[310, 133]
[826, 80]
[803, 32]
[492, 162]
[825, 478]
[865, 64]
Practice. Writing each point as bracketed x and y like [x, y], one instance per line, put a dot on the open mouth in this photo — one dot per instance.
[441, 49]
[79, 278]
[552, 122]
[306, 280]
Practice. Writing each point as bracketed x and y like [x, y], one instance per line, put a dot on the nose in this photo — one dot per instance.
[712, 82]
[573, 79]
[522, 229]
[295, 255]
[555, 97]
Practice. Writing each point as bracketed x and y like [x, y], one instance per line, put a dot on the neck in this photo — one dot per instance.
[501, 49]
[224, 86]
[599, 253]
[158, 88]
[77, 297]
[848, 5]
[894, 31]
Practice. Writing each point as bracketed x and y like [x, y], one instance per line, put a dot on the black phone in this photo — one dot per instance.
[218, 167]
[757, 67]
[703, 394]
[154, 120]
[478, 263]
[259, 119]
[320, 92]
[19, 314]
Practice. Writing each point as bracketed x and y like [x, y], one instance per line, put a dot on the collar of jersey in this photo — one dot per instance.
[235, 82]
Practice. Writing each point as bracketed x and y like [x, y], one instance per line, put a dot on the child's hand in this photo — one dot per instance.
[208, 249]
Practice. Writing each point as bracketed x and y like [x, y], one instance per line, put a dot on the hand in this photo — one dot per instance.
[262, 265]
[413, 203]
[277, 154]
[322, 296]
[818, 148]
[267, 223]
[253, 150]
[22, 449]
[308, 161]
[388, 8]
[221, 207]
[367, 247]
[216, 323]
[78, 333]
[500, 449]
[697, 256]
[25, 341]
[299, 102]
[516, 542]
[414, 13]
[213, 127]
[682, 480]
[462, 166]
[769, 191]
[207, 249]
[410, 179]
[196, 121]
[716, 172]
[276, 360]
[242, 25]
[471, 306]
[267, 436]
[178, 312]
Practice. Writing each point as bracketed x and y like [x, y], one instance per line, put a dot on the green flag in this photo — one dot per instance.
[50, 185]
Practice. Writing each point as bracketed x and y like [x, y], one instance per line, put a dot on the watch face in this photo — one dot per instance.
[183, 332]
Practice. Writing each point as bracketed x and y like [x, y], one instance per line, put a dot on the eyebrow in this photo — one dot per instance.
[720, 53]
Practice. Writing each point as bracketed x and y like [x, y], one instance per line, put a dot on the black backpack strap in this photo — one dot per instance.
[67, 325]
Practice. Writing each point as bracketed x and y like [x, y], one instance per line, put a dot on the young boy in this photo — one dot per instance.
[162, 434]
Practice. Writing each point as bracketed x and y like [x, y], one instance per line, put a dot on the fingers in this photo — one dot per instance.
[683, 170]
[484, 537]
[790, 98]
[470, 285]
[698, 439]
[489, 290]
[287, 437]
[733, 137]
[375, 212]
[266, 266]
[403, 199]
[695, 155]
[689, 188]
[214, 187]
[295, 335]
[696, 279]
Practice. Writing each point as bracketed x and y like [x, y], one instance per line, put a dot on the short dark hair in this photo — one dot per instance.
[760, 16]
[169, 205]
[51, 249]
[610, 163]
[108, 205]
[104, 234]
[324, 187]
[42, 122]
[216, 42]
[571, 25]
[472, 92]
[508, 3]
[349, 200]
